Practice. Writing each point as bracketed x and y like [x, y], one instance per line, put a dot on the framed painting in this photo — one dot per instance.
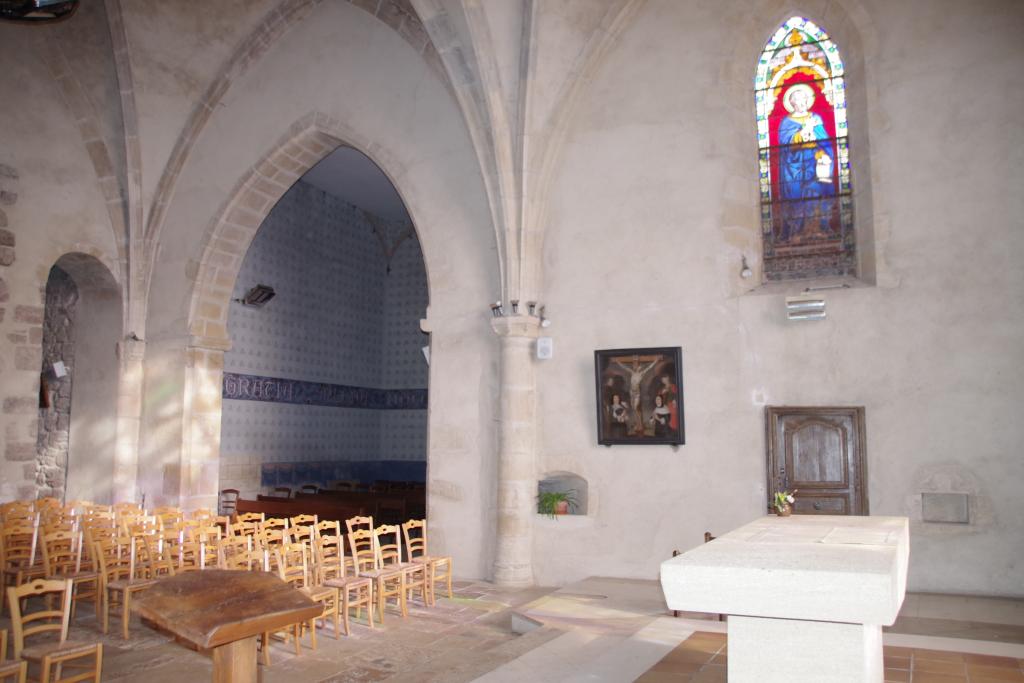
[639, 396]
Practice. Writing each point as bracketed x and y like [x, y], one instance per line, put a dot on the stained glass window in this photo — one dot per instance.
[804, 155]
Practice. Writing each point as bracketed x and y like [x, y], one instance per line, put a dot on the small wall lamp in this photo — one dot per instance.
[745, 271]
[258, 296]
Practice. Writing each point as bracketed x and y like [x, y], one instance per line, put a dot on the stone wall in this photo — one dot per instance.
[55, 407]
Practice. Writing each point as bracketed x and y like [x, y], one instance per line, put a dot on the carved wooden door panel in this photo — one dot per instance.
[821, 453]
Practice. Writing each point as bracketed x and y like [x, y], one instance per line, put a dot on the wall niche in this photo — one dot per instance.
[567, 482]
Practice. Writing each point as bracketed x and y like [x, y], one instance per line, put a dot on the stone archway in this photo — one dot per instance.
[224, 248]
[80, 378]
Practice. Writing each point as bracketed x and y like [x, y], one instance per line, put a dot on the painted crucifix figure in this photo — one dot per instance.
[636, 373]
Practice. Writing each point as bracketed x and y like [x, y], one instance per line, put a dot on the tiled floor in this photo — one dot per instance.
[703, 658]
[456, 640]
[599, 629]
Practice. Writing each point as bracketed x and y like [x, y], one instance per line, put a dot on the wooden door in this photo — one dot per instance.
[821, 453]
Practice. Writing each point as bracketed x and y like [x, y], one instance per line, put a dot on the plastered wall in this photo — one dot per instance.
[657, 189]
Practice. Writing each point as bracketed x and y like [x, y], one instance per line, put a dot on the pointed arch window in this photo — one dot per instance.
[804, 158]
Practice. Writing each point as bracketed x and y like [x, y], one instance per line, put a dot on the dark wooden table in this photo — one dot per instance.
[225, 611]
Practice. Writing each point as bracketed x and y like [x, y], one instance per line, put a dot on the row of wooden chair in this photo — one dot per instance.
[54, 654]
[108, 555]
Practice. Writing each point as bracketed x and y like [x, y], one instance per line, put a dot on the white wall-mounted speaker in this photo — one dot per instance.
[545, 348]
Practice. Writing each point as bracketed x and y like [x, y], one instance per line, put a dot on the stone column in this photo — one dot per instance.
[200, 466]
[131, 353]
[517, 444]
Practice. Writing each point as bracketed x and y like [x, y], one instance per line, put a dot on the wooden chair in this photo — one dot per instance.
[20, 556]
[302, 520]
[123, 508]
[300, 527]
[62, 555]
[58, 519]
[15, 672]
[250, 517]
[388, 547]
[279, 523]
[10, 671]
[271, 540]
[206, 538]
[304, 534]
[116, 560]
[194, 556]
[170, 510]
[46, 504]
[415, 533]
[16, 510]
[333, 528]
[309, 488]
[85, 658]
[93, 532]
[282, 491]
[228, 501]
[387, 582]
[326, 596]
[240, 553]
[140, 525]
[292, 568]
[155, 558]
[352, 591]
[222, 522]
[243, 529]
[170, 520]
[251, 560]
[358, 522]
[202, 513]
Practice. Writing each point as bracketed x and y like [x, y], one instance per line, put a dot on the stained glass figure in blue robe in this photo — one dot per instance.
[805, 166]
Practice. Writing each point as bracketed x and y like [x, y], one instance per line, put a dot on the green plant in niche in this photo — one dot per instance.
[554, 503]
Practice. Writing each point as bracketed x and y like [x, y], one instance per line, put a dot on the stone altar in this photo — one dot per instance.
[807, 595]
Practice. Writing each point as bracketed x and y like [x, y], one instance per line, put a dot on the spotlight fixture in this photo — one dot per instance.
[37, 11]
[531, 307]
[805, 308]
[515, 306]
[544, 322]
[496, 310]
[745, 271]
[258, 296]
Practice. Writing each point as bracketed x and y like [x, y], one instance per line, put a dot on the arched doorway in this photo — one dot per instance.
[325, 382]
[79, 380]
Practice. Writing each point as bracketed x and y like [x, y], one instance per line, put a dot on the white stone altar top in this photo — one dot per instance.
[809, 567]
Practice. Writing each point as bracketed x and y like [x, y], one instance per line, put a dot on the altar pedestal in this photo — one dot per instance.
[807, 595]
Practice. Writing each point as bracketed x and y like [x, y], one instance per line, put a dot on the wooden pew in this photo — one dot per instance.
[291, 507]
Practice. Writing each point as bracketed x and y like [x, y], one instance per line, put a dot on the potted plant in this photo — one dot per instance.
[554, 503]
[783, 503]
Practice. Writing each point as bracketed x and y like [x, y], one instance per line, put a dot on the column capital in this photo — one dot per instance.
[208, 343]
[131, 349]
[527, 326]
